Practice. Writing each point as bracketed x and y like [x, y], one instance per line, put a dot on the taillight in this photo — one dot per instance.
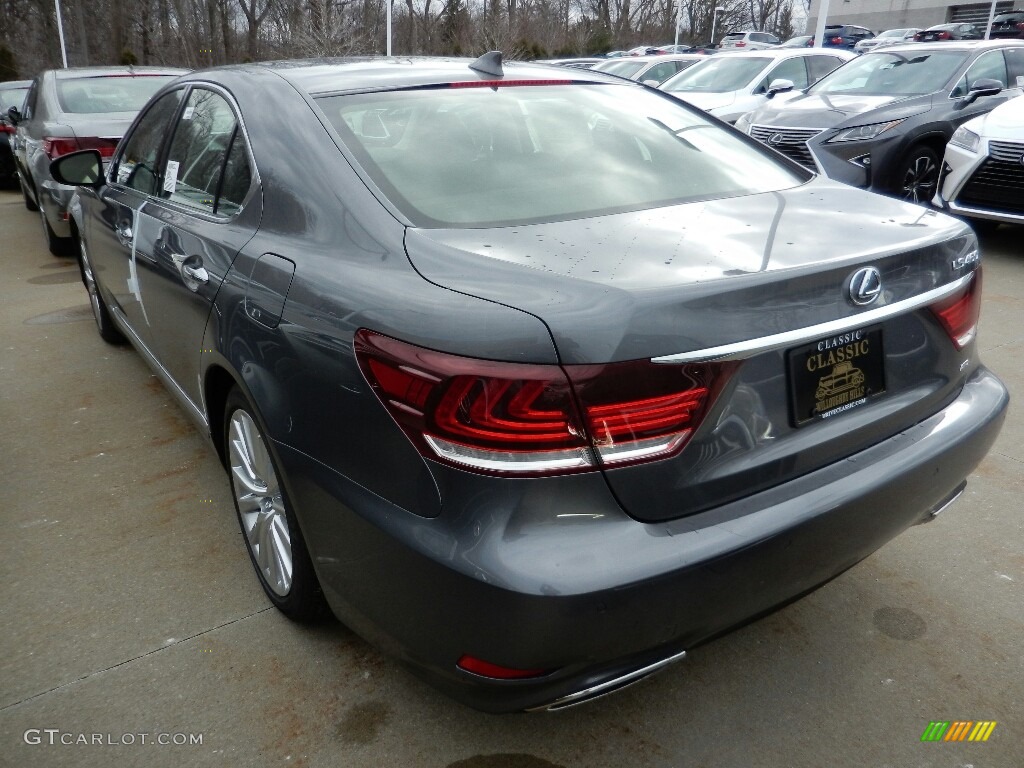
[836, 41]
[54, 147]
[498, 417]
[959, 313]
[943, 36]
[740, 44]
[5, 128]
[1020, 25]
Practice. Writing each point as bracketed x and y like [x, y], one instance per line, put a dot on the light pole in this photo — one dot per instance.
[714, 21]
[60, 31]
[388, 52]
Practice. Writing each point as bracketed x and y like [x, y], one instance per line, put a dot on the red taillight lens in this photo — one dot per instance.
[1020, 26]
[943, 36]
[496, 671]
[836, 41]
[105, 147]
[5, 128]
[741, 44]
[54, 147]
[959, 313]
[536, 419]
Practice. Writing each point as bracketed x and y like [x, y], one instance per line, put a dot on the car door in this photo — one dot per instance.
[111, 240]
[205, 209]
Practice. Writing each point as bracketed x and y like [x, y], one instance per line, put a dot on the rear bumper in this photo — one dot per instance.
[597, 597]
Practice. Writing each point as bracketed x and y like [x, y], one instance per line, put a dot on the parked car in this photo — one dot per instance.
[649, 69]
[1009, 25]
[983, 177]
[579, 63]
[676, 49]
[800, 41]
[845, 36]
[882, 121]
[887, 38]
[535, 433]
[12, 94]
[71, 109]
[949, 32]
[644, 50]
[749, 41]
[729, 86]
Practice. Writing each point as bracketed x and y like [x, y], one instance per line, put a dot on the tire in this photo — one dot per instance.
[29, 202]
[269, 527]
[58, 246]
[107, 330]
[917, 176]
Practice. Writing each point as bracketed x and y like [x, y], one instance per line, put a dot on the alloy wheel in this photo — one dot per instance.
[90, 284]
[920, 179]
[260, 503]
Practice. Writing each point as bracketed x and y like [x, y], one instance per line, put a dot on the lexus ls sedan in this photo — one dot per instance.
[536, 434]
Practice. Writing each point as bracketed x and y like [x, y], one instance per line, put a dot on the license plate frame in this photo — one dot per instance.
[836, 374]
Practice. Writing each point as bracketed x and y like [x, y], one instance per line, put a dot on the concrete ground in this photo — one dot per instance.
[129, 612]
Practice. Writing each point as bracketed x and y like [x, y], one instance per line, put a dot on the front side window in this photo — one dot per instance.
[195, 161]
[473, 157]
[789, 69]
[819, 66]
[891, 73]
[136, 167]
[989, 66]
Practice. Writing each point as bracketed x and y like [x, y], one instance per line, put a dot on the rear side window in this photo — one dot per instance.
[195, 162]
[136, 166]
[98, 95]
[237, 177]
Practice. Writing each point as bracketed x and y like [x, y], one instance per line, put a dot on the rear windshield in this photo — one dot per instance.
[735, 35]
[11, 97]
[119, 93]
[893, 74]
[718, 75]
[621, 68]
[474, 157]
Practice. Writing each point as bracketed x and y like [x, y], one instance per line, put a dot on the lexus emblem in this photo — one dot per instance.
[775, 138]
[865, 286]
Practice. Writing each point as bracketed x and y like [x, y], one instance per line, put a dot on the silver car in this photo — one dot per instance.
[887, 38]
[67, 110]
[649, 69]
[749, 41]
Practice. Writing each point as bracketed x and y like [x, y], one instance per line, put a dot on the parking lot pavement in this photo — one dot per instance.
[130, 614]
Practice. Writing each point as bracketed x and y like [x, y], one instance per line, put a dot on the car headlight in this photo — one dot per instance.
[965, 138]
[864, 132]
[744, 122]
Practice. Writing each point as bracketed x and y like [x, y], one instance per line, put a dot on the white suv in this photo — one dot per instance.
[750, 41]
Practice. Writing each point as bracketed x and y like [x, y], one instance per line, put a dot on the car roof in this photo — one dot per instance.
[782, 53]
[322, 76]
[951, 45]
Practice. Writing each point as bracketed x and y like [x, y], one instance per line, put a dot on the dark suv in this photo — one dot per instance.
[845, 36]
[1009, 25]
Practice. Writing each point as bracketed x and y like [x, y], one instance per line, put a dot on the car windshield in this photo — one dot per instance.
[117, 93]
[475, 157]
[718, 75]
[892, 74]
[620, 68]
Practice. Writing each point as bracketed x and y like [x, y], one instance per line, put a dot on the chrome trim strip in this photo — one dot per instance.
[741, 349]
[986, 213]
[601, 689]
[173, 387]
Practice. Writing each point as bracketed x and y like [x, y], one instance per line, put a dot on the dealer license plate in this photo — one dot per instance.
[836, 374]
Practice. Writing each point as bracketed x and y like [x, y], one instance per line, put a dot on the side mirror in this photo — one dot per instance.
[14, 115]
[79, 169]
[986, 86]
[780, 86]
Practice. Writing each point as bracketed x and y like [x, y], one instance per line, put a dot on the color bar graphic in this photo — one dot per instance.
[958, 730]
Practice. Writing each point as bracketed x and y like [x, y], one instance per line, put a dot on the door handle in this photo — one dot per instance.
[123, 230]
[192, 274]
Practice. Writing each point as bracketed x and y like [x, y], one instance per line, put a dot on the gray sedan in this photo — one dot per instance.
[536, 381]
[68, 110]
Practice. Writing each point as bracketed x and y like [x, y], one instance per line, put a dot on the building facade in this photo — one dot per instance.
[879, 15]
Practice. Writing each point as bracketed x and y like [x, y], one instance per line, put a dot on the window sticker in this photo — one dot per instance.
[189, 111]
[124, 172]
[171, 176]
